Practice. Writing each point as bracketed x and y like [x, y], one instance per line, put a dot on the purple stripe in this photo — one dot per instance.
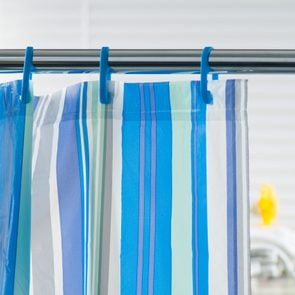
[153, 191]
[141, 192]
[231, 188]
[69, 194]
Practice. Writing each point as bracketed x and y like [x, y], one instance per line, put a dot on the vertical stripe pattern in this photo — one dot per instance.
[146, 195]
[67, 192]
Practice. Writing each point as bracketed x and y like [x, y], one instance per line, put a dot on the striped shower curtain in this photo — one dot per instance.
[146, 195]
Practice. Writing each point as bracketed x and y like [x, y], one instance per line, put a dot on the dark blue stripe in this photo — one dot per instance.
[69, 193]
[163, 196]
[12, 127]
[199, 193]
[231, 188]
[130, 188]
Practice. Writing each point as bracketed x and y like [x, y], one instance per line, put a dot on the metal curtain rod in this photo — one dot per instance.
[87, 60]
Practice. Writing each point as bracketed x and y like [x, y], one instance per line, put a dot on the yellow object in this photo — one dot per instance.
[267, 204]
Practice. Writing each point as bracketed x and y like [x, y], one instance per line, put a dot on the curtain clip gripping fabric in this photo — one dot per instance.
[27, 74]
[205, 69]
[105, 75]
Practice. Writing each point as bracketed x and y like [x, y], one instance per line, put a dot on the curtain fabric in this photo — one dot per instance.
[15, 189]
[146, 195]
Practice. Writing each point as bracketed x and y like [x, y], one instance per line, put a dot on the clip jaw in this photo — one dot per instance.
[27, 73]
[105, 75]
[205, 69]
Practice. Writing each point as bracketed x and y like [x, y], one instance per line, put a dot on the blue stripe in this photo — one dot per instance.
[194, 203]
[163, 196]
[86, 195]
[231, 188]
[69, 193]
[83, 140]
[147, 187]
[130, 188]
[199, 193]
[12, 127]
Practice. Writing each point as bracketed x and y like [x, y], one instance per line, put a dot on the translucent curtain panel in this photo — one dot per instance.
[146, 195]
[15, 186]
[182, 212]
[68, 182]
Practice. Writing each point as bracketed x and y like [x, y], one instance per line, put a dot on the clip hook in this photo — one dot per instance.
[105, 75]
[27, 73]
[205, 69]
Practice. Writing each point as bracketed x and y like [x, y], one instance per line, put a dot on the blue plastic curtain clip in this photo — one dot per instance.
[105, 75]
[205, 69]
[27, 73]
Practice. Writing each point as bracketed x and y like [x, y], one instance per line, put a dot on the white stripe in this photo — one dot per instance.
[115, 228]
[39, 113]
[91, 180]
[45, 101]
[217, 190]
[31, 292]
[54, 203]
[244, 198]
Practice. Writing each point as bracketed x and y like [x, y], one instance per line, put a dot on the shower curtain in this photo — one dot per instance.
[146, 195]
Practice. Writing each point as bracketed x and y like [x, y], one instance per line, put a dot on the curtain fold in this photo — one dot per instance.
[146, 195]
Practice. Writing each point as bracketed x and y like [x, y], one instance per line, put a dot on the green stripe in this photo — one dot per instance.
[22, 271]
[97, 185]
[180, 97]
[101, 176]
[94, 203]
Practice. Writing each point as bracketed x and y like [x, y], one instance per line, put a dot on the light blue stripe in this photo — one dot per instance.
[231, 188]
[22, 267]
[199, 189]
[130, 188]
[181, 228]
[161, 110]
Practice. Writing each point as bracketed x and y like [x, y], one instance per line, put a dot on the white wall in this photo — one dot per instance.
[183, 24]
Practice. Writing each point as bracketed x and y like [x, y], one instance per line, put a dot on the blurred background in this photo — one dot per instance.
[194, 24]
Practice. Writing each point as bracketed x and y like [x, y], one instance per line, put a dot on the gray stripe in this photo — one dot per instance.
[247, 279]
[41, 236]
[39, 109]
[106, 206]
[242, 186]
